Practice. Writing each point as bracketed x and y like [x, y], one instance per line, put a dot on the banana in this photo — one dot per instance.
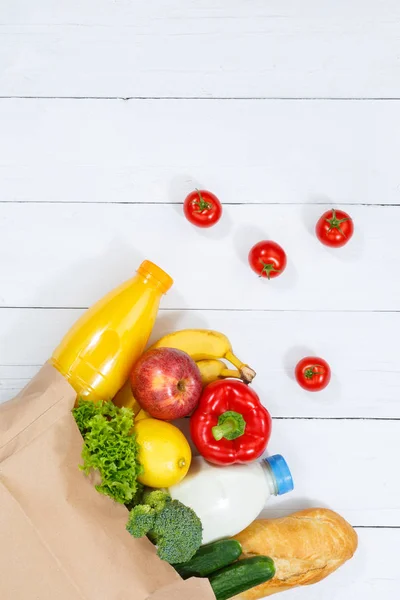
[205, 344]
[125, 398]
[213, 369]
[142, 414]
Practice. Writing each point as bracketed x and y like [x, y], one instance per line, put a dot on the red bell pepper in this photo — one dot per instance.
[230, 425]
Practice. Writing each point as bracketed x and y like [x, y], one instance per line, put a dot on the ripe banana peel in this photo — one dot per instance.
[142, 414]
[125, 398]
[204, 345]
[213, 369]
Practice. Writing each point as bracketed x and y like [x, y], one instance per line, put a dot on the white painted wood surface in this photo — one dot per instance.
[74, 242]
[90, 186]
[365, 379]
[261, 152]
[202, 48]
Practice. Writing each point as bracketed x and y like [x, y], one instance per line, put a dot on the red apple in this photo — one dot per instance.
[167, 383]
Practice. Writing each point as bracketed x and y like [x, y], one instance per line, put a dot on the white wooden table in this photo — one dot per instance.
[111, 111]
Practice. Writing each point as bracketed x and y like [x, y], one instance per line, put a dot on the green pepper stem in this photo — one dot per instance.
[231, 425]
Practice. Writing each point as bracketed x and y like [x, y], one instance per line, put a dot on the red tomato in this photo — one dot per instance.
[267, 259]
[202, 208]
[334, 228]
[313, 373]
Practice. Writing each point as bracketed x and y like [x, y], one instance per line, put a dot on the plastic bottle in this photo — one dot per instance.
[228, 499]
[98, 352]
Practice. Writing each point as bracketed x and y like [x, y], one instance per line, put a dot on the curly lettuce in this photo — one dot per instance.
[110, 447]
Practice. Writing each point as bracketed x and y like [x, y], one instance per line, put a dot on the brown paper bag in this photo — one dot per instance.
[59, 538]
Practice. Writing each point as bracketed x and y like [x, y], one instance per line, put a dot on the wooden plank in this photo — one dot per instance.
[344, 465]
[366, 375]
[159, 151]
[199, 48]
[81, 251]
[372, 573]
[13, 378]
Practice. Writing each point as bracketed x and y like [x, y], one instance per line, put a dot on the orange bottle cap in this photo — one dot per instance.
[150, 270]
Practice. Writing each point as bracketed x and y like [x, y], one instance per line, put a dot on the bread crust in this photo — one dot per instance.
[306, 547]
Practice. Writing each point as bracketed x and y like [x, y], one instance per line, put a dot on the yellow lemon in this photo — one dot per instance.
[164, 453]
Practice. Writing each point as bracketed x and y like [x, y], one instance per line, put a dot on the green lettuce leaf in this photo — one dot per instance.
[110, 447]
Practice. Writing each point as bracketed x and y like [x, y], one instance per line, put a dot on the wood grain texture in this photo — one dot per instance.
[343, 465]
[160, 150]
[201, 49]
[363, 357]
[280, 163]
[83, 250]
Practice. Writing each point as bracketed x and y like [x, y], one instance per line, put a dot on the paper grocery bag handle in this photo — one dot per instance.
[191, 589]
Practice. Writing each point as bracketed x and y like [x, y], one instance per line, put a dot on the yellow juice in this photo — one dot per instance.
[98, 352]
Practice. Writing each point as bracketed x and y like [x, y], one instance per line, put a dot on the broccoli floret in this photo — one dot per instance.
[173, 527]
[141, 520]
[177, 532]
[142, 516]
[157, 499]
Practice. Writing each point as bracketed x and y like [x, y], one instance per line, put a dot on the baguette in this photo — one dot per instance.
[306, 547]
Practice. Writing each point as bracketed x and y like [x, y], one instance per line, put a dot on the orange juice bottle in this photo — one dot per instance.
[98, 352]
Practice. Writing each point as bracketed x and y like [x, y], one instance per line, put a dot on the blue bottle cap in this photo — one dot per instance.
[281, 474]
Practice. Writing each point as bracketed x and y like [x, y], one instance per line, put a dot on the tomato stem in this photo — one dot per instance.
[309, 372]
[201, 203]
[335, 223]
[268, 268]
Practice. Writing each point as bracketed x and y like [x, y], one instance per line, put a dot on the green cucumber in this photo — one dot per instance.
[241, 576]
[210, 558]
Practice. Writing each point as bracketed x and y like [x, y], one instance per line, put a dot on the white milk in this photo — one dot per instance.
[227, 499]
